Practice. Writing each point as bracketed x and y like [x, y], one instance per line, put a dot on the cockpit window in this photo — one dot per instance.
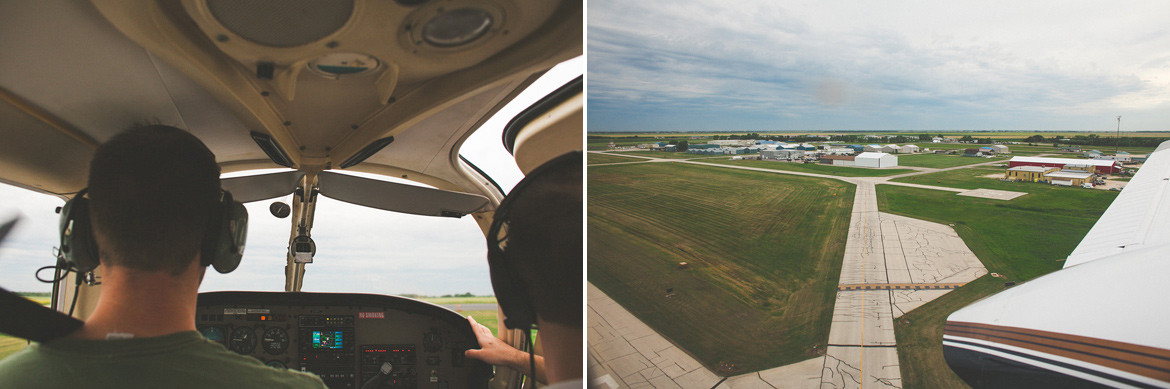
[362, 250]
[30, 244]
[484, 148]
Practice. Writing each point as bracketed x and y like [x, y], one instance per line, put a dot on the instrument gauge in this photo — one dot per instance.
[243, 340]
[275, 341]
[213, 333]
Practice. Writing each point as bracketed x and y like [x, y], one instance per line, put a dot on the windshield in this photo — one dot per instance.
[365, 250]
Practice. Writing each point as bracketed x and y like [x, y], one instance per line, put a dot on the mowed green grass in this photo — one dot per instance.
[1021, 239]
[941, 160]
[843, 171]
[459, 300]
[595, 158]
[764, 254]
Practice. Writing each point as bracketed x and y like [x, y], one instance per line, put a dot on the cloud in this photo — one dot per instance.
[760, 65]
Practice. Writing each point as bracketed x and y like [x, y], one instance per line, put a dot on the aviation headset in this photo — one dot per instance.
[223, 243]
[511, 292]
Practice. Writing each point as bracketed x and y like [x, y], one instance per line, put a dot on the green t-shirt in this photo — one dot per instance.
[181, 360]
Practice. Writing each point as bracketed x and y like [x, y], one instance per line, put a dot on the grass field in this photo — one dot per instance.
[487, 318]
[594, 158]
[459, 300]
[940, 160]
[1021, 239]
[764, 255]
[843, 171]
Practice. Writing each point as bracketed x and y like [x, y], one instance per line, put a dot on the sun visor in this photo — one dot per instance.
[261, 186]
[396, 197]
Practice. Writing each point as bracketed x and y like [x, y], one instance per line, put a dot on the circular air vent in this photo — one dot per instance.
[282, 23]
[457, 27]
[343, 65]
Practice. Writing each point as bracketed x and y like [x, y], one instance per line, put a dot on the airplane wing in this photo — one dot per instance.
[1138, 217]
[1099, 322]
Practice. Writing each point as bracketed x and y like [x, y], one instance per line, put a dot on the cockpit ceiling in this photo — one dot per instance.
[96, 68]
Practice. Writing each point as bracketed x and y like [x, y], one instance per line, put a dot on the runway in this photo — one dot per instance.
[892, 265]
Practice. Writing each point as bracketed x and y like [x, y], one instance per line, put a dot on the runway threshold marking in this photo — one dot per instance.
[864, 287]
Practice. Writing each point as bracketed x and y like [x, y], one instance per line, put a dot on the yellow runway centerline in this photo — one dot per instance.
[864, 287]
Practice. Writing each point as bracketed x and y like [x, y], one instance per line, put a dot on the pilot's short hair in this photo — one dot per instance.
[545, 243]
[151, 190]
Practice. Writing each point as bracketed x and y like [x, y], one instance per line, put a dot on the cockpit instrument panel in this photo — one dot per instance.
[345, 338]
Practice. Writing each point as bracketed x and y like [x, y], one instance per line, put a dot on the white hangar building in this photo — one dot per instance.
[876, 160]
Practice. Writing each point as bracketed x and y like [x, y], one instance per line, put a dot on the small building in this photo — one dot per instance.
[878, 160]
[1069, 177]
[838, 160]
[806, 147]
[733, 142]
[835, 150]
[987, 150]
[670, 148]
[908, 149]
[1093, 153]
[1029, 173]
[1000, 149]
[1121, 156]
[782, 154]
[936, 140]
[973, 153]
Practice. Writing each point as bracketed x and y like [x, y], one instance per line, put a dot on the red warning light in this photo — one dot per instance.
[263, 318]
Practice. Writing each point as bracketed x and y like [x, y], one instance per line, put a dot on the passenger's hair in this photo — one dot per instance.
[152, 189]
[545, 243]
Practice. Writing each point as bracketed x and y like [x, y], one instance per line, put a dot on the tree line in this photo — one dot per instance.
[1096, 140]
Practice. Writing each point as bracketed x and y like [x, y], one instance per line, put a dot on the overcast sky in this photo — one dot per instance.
[890, 65]
[359, 249]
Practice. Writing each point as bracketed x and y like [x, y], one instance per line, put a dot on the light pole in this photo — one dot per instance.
[1117, 140]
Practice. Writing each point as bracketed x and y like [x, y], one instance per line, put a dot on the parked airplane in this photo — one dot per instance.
[1099, 321]
[388, 88]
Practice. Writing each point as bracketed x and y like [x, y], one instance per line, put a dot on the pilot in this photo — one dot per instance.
[151, 189]
[544, 255]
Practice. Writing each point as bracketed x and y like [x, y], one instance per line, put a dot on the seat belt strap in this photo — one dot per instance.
[26, 319]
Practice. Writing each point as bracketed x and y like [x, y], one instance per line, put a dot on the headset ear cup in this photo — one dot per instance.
[78, 245]
[235, 235]
[510, 293]
[223, 246]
